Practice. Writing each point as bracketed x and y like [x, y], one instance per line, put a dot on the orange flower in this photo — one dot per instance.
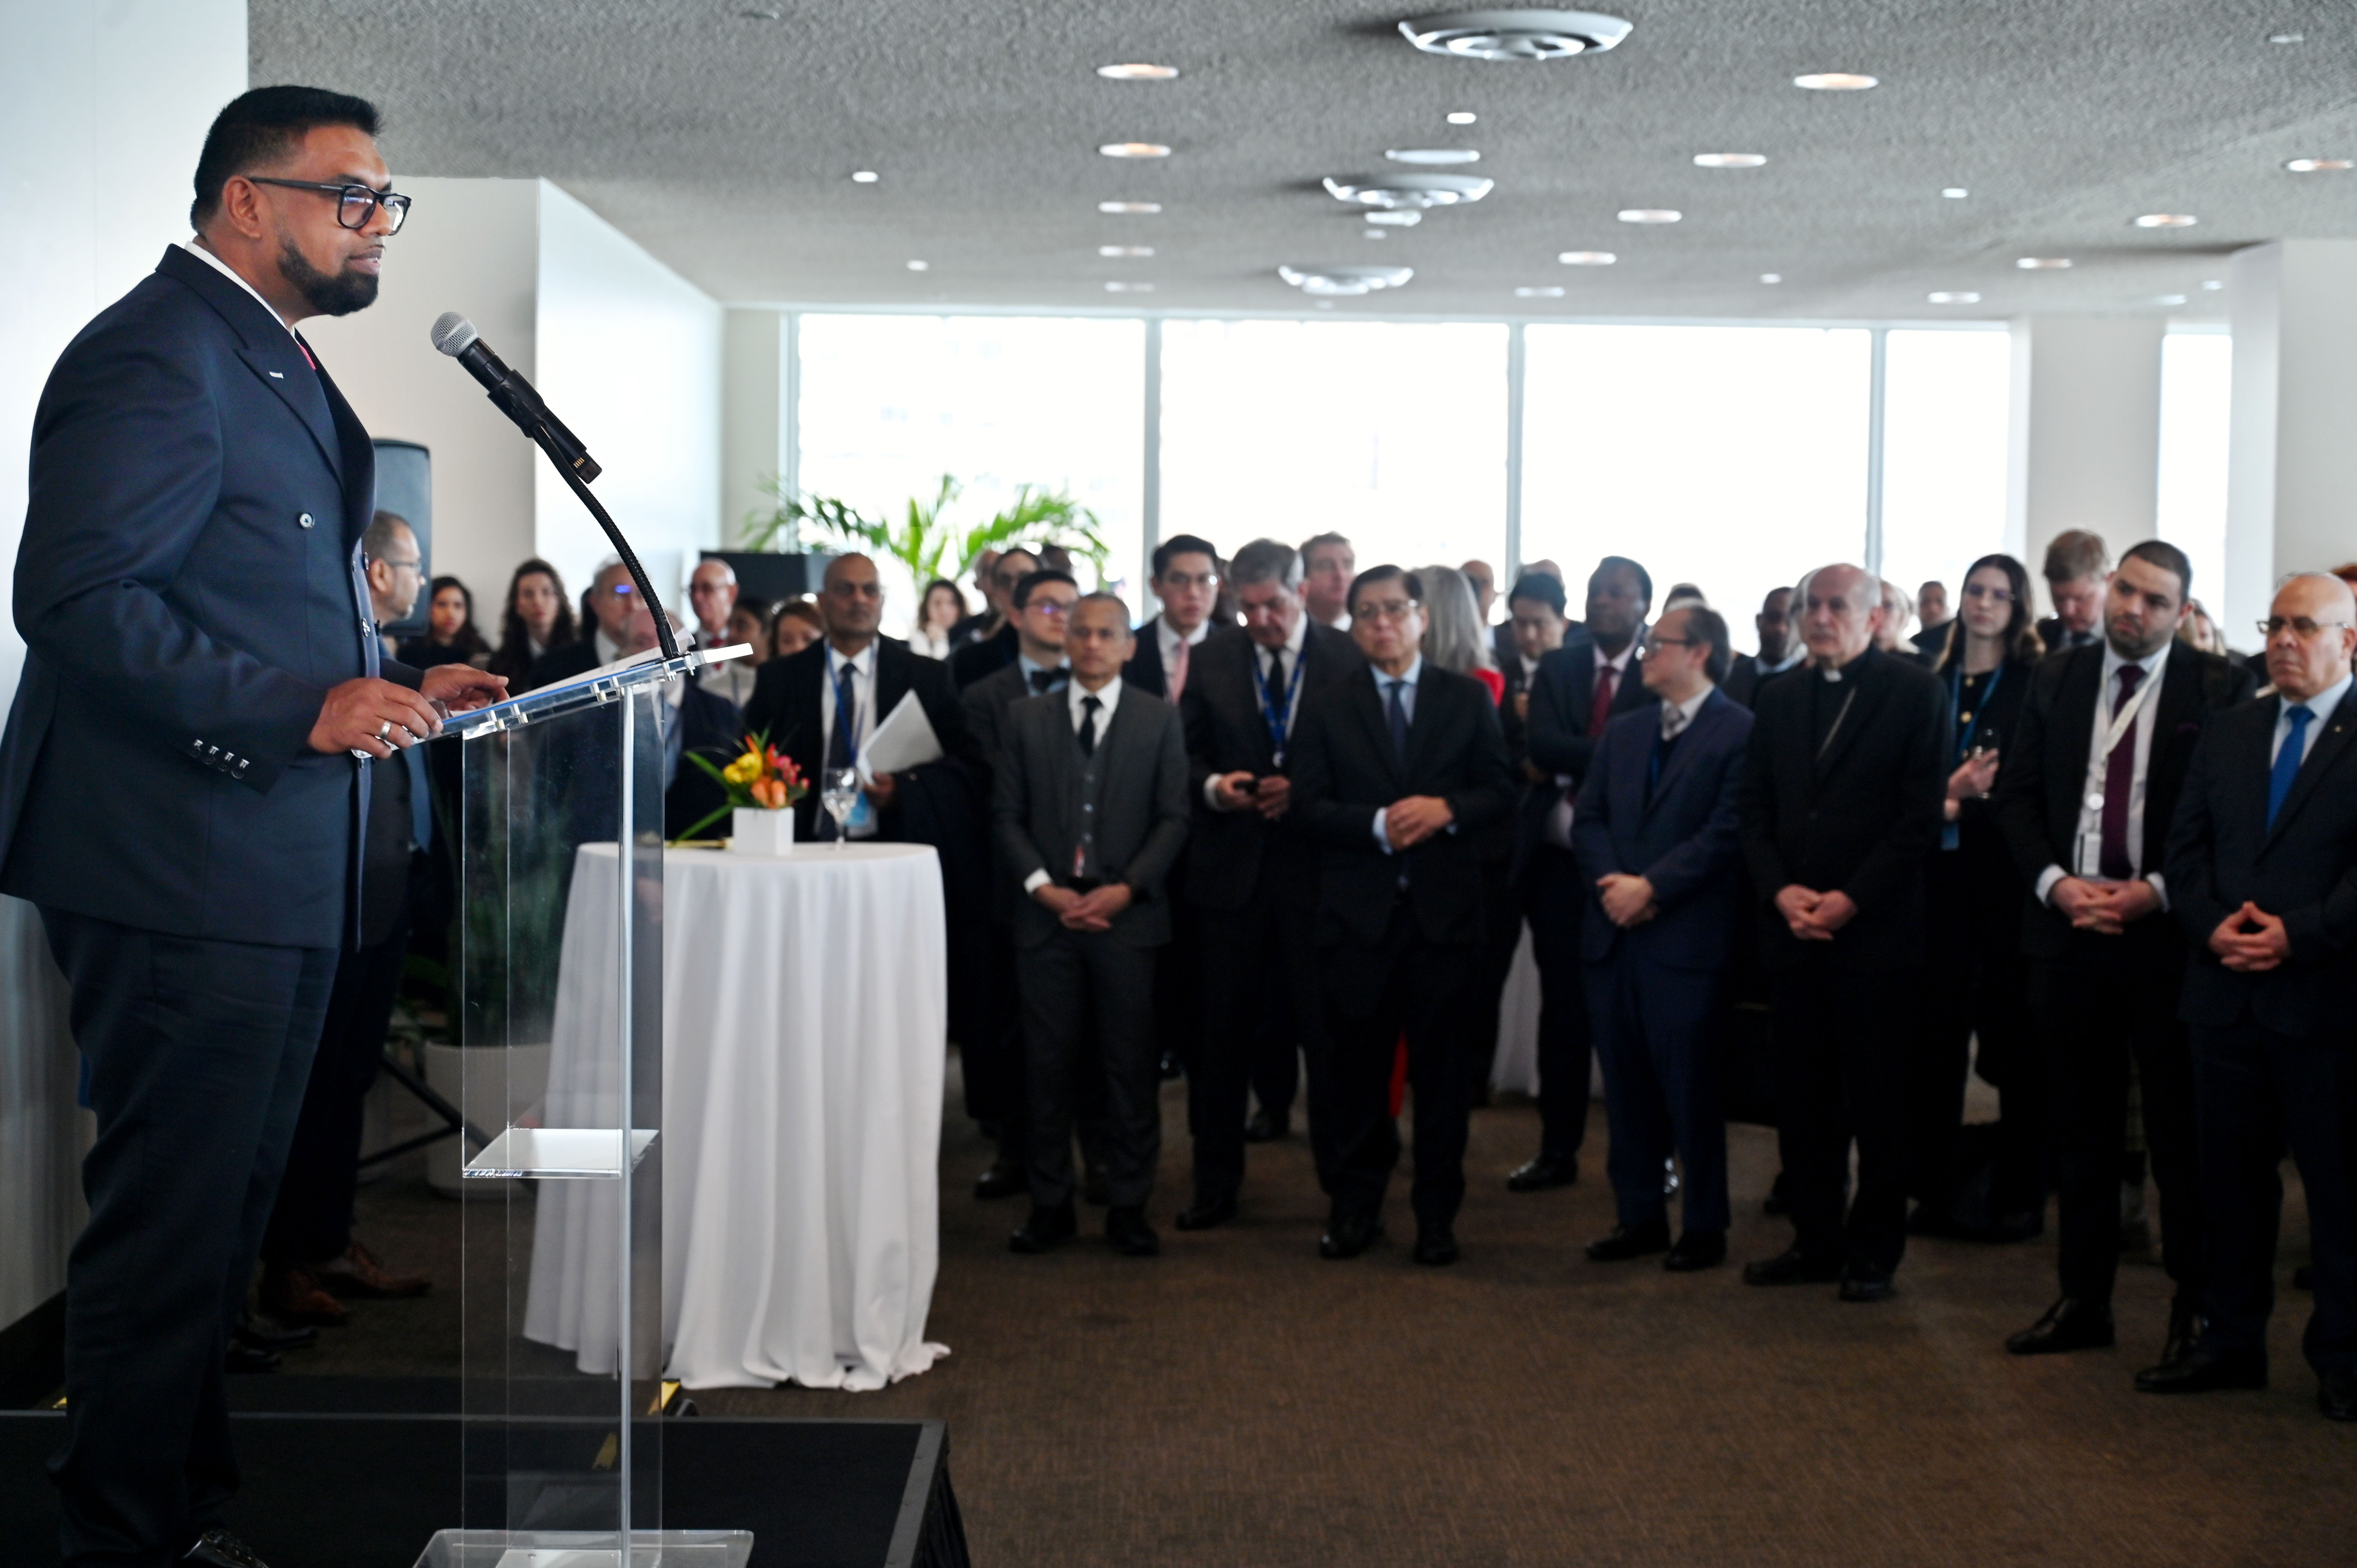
[768, 792]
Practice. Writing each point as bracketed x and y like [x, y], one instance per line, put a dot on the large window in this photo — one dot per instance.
[890, 403]
[1731, 458]
[1945, 430]
[1393, 434]
[2196, 394]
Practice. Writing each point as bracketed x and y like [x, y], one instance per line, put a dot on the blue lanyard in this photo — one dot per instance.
[1275, 717]
[1968, 730]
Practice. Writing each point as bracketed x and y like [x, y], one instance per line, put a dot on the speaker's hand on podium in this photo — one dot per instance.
[462, 688]
[373, 716]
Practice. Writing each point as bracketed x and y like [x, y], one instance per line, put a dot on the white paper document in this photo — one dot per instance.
[905, 739]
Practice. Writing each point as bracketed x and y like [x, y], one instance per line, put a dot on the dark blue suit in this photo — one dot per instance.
[1670, 815]
[188, 589]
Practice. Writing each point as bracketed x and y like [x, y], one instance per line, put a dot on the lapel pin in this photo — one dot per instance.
[277, 375]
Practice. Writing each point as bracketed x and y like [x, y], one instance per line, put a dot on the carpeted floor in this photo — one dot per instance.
[1239, 1402]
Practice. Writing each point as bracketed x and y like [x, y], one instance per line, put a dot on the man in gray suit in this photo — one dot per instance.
[1088, 812]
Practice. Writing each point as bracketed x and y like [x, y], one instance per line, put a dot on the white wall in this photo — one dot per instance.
[2086, 431]
[753, 423]
[103, 110]
[629, 356]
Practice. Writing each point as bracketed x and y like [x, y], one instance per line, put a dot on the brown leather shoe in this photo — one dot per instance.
[293, 1296]
[358, 1274]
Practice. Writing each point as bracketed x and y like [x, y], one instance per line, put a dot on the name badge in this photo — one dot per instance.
[2095, 800]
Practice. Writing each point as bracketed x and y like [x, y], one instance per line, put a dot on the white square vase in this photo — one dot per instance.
[761, 832]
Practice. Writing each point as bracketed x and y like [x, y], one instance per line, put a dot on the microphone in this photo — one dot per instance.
[512, 395]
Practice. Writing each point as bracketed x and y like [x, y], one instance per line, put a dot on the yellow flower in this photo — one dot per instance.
[744, 771]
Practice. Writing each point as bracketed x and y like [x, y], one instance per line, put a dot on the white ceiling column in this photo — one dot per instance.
[755, 366]
[2291, 463]
[2085, 451]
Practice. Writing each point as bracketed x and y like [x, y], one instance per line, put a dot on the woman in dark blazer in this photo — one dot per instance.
[1976, 979]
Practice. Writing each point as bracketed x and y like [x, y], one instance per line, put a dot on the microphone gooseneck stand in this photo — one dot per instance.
[547, 444]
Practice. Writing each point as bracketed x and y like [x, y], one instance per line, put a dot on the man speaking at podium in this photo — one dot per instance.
[186, 756]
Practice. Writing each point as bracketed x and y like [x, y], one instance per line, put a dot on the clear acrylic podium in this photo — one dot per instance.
[559, 958]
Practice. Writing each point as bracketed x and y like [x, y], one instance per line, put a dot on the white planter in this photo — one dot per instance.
[470, 1077]
[761, 832]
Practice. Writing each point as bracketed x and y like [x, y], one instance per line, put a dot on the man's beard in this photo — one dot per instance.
[329, 293]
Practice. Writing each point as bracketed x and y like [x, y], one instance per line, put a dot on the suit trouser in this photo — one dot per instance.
[1402, 984]
[1844, 1075]
[1661, 1089]
[2258, 1091]
[2113, 1002]
[1085, 1006]
[1501, 911]
[1260, 998]
[1557, 902]
[313, 1219]
[197, 1052]
[1179, 977]
[1975, 985]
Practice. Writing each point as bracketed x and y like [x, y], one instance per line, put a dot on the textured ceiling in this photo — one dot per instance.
[724, 144]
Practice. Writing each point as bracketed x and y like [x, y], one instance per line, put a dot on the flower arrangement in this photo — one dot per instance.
[758, 778]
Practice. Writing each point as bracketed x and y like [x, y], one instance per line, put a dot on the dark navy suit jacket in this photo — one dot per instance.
[1683, 834]
[188, 589]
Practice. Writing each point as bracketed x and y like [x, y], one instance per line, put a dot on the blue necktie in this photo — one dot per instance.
[2287, 760]
[843, 749]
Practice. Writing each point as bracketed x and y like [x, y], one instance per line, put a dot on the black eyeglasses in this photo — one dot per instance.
[356, 204]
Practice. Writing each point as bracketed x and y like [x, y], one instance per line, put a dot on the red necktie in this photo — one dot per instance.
[1600, 703]
[2119, 778]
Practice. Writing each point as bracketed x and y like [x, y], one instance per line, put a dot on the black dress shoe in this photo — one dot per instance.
[2198, 1371]
[1793, 1267]
[1435, 1246]
[1863, 1284]
[242, 1357]
[1131, 1236]
[1005, 1179]
[1347, 1235]
[1696, 1250]
[2069, 1324]
[261, 1334]
[219, 1549]
[1206, 1212]
[2336, 1393]
[1044, 1230]
[1628, 1241]
[2184, 1331]
[1263, 1127]
[1544, 1173]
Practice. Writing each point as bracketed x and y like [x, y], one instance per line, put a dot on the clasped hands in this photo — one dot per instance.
[2103, 908]
[1269, 797]
[1811, 916]
[2249, 941]
[1412, 819]
[1090, 911]
[377, 717]
[1628, 900]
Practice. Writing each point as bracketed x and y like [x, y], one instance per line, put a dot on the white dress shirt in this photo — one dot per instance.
[1108, 698]
[1295, 641]
[2322, 705]
[862, 824]
[229, 272]
[2089, 837]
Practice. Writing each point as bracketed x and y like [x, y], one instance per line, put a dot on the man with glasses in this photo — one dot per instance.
[182, 768]
[2262, 876]
[994, 644]
[1396, 771]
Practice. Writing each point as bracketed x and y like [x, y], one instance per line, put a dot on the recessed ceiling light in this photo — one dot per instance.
[2319, 166]
[2166, 220]
[759, 14]
[2041, 263]
[1398, 217]
[1138, 73]
[1134, 150]
[1649, 215]
[2214, 284]
[1955, 193]
[2287, 38]
[1587, 258]
[1117, 288]
[920, 266]
[1515, 35]
[1835, 81]
[1541, 291]
[1129, 206]
[1344, 281]
[1461, 116]
[1409, 189]
[2169, 299]
[864, 176]
[1730, 160]
[1374, 233]
[1947, 297]
[1433, 155]
[1125, 250]
[1772, 277]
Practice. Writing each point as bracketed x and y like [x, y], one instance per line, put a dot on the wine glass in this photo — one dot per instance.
[838, 792]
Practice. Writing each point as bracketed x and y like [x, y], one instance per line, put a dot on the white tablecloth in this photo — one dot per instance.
[804, 1013]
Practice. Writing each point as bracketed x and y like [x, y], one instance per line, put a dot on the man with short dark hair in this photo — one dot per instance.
[1328, 565]
[177, 780]
[2091, 779]
[1779, 650]
[2077, 564]
[992, 645]
[1395, 771]
[1932, 609]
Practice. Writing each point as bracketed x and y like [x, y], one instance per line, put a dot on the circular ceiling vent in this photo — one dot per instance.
[1515, 35]
[1344, 281]
[1409, 189]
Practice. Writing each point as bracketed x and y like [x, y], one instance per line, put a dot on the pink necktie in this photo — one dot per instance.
[1179, 671]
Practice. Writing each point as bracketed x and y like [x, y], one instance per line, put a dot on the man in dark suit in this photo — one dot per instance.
[993, 1056]
[1090, 810]
[993, 646]
[2263, 876]
[1657, 836]
[1932, 609]
[614, 626]
[1779, 650]
[1395, 773]
[2077, 564]
[2086, 822]
[178, 787]
[1253, 877]
[1842, 802]
[1579, 689]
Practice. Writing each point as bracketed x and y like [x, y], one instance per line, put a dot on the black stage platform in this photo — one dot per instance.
[360, 1471]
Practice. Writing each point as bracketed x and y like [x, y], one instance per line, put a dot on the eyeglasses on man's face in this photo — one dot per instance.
[1655, 642]
[1383, 609]
[2302, 627]
[356, 204]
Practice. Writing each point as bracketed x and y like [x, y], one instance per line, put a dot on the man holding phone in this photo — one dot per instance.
[1251, 866]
